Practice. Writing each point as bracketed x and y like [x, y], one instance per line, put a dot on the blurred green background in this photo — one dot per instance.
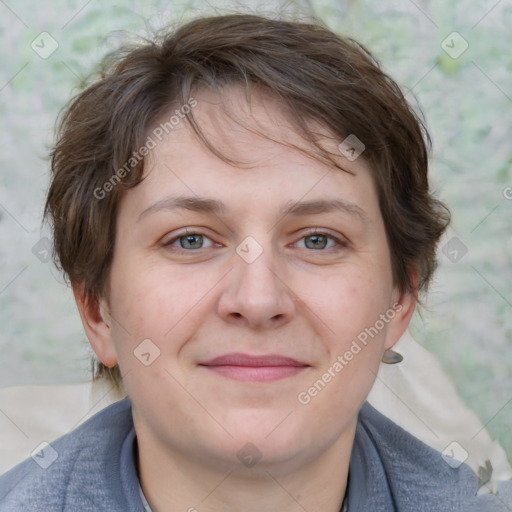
[467, 100]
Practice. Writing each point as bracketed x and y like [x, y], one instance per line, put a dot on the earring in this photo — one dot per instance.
[392, 357]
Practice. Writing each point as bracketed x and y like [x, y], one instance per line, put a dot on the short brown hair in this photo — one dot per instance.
[315, 74]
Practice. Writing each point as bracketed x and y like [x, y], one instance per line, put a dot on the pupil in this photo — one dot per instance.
[189, 241]
[318, 241]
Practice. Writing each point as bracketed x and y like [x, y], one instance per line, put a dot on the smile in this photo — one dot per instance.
[244, 367]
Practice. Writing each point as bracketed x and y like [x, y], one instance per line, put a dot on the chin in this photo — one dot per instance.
[272, 432]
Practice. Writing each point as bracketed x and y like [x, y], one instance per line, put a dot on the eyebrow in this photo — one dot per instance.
[296, 209]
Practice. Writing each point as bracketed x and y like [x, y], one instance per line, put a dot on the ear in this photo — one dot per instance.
[404, 305]
[96, 322]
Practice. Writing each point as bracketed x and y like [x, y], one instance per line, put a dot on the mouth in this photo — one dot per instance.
[245, 367]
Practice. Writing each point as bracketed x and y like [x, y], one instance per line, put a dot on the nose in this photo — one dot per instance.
[257, 294]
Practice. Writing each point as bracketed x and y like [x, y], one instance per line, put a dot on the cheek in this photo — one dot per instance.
[350, 304]
[155, 303]
[350, 310]
[352, 351]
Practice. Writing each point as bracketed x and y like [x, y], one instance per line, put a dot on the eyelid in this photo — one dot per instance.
[320, 231]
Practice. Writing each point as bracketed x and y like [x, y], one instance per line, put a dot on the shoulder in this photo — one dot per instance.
[395, 446]
[417, 476]
[79, 471]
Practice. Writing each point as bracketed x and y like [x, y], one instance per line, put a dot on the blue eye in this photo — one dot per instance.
[315, 240]
[189, 241]
[320, 241]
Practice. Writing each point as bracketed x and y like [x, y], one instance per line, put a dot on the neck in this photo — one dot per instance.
[173, 482]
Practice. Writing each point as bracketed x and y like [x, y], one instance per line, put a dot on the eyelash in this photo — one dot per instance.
[341, 243]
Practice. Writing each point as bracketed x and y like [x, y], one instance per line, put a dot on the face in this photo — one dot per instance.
[252, 287]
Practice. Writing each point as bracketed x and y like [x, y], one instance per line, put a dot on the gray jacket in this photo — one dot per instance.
[93, 469]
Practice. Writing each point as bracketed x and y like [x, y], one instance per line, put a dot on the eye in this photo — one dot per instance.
[320, 241]
[314, 240]
[189, 241]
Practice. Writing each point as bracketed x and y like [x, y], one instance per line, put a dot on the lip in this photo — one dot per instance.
[255, 368]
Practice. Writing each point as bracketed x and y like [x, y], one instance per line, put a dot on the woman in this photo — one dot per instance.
[243, 211]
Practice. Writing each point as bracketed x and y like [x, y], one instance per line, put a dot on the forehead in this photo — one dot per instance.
[240, 122]
[265, 153]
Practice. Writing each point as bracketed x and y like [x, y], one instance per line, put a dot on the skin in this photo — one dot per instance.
[303, 297]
